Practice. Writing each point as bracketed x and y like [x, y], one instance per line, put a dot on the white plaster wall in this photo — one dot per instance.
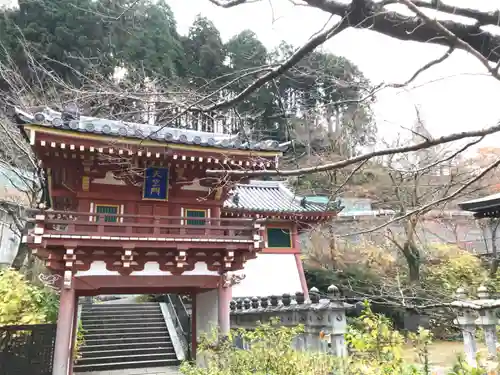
[207, 313]
[98, 268]
[268, 274]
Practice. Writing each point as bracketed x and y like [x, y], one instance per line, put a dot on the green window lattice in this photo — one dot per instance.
[105, 209]
[196, 213]
[279, 237]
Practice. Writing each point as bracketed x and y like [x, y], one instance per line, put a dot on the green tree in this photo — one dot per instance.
[144, 40]
[64, 37]
[24, 303]
[247, 58]
[205, 53]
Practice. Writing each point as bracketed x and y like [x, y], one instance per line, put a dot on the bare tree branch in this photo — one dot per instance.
[434, 203]
[231, 3]
[451, 37]
[346, 162]
[314, 42]
[448, 158]
[430, 64]
[372, 15]
[348, 178]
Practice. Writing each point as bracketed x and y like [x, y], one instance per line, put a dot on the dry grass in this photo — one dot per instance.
[441, 353]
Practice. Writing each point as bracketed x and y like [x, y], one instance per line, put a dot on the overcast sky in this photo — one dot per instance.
[456, 95]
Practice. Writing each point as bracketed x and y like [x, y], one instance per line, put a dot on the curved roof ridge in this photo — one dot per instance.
[85, 124]
[262, 183]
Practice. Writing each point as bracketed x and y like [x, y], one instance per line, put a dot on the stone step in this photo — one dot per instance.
[120, 318]
[120, 336]
[138, 338]
[115, 314]
[113, 311]
[110, 318]
[127, 352]
[125, 358]
[106, 324]
[126, 364]
[131, 328]
[131, 334]
[118, 344]
[120, 306]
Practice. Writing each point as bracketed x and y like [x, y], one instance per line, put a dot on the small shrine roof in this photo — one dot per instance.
[112, 128]
[270, 196]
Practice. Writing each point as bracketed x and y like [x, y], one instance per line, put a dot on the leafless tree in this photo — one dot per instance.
[24, 183]
[417, 186]
[386, 17]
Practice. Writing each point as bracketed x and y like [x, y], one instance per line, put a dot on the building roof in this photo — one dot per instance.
[93, 125]
[488, 203]
[270, 196]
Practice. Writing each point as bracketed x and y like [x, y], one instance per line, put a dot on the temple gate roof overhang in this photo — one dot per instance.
[102, 136]
[488, 206]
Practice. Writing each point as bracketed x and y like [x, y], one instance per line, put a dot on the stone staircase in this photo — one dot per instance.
[121, 336]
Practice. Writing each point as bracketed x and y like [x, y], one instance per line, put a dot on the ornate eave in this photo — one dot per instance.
[128, 261]
[288, 216]
[61, 143]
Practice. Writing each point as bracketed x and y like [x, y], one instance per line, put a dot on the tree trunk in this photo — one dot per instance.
[414, 271]
[329, 115]
[30, 264]
[309, 135]
[22, 252]
[412, 256]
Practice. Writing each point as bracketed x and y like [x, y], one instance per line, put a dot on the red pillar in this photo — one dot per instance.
[194, 335]
[216, 214]
[62, 351]
[225, 295]
[298, 262]
[302, 276]
[73, 334]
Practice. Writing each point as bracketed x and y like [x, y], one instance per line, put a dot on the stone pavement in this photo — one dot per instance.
[137, 371]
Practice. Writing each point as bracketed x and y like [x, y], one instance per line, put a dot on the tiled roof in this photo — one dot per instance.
[53, 119]
[488, 202]
[269, 196]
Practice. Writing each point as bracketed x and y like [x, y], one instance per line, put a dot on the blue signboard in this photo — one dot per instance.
[155, 184]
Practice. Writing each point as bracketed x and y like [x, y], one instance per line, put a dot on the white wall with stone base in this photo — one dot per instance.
[207, 316]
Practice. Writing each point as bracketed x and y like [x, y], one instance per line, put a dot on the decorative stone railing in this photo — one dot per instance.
[324, 320]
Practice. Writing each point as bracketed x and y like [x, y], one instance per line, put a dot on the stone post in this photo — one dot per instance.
[488, 320]
[338, 322]
[466, 318]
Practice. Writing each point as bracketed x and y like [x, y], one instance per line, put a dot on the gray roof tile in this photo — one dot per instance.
[268, 196]
[53, 119]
